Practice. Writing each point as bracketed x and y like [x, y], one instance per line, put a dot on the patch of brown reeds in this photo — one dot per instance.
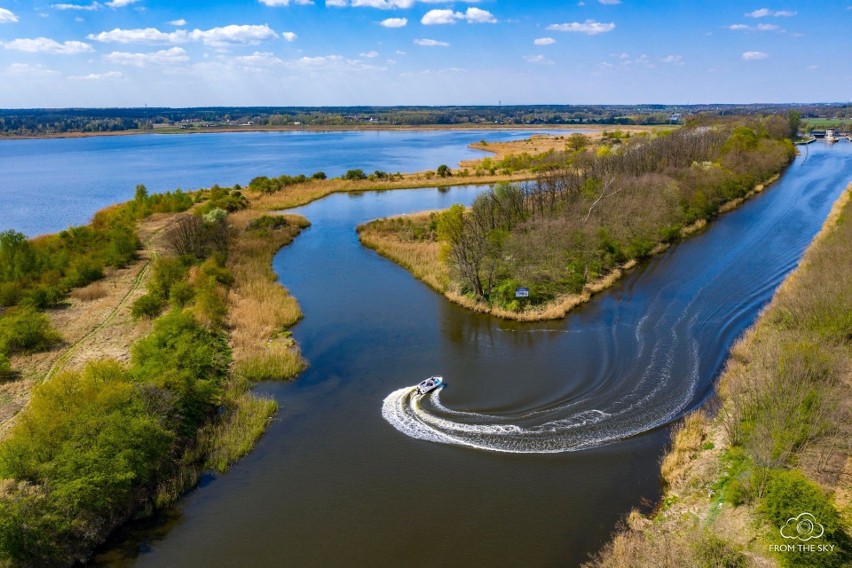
[260, 309]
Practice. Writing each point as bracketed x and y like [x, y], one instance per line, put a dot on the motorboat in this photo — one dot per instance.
[429, 384]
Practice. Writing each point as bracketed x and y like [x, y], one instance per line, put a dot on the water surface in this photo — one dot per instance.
[50, 184]
[333, 483]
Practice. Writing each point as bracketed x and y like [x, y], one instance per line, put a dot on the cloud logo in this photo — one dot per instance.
[803, 527]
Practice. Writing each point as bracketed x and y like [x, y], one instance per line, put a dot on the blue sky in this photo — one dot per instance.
[59, 53]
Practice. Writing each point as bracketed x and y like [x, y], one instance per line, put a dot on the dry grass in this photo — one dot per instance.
[90, 293]
[421, 257]
[689, 435]
[260, 309]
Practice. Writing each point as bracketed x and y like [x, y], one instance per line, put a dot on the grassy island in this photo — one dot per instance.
[592, 212]
[775, 445]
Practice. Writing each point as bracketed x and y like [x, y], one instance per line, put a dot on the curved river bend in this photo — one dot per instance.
[345, 479]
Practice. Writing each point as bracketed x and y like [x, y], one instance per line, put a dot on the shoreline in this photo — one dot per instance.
[562, 305]
[319, 128]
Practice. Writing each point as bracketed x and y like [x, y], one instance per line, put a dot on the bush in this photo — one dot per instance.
[319, 176]
[5, 367]
[24, 330]
[355, 175]
[181, 294]
[148, 306]
[267, 222]
[789, 494]
[167, 271]
[712, 551]
[187, 360]
[86, 441]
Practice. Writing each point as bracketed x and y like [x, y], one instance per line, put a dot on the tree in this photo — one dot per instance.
[794, 119]
[444, 171]
[578, 141]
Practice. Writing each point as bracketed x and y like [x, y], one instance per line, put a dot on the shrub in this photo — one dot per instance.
[181, 294]
[267, 222]
[167, 271]
[354, 175]
[148, 306]
[711, 551]
[5, 367]
[24, 330]
[788, 495]
[319, 176]
[43, 297]
[86, 441]
[186, 359]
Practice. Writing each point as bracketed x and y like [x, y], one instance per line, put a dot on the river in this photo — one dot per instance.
[50, 184]
[545, 435]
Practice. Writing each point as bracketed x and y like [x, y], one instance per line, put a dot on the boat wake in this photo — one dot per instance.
[650, 394]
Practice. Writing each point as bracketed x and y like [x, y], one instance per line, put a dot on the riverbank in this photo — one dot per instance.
[774, 446]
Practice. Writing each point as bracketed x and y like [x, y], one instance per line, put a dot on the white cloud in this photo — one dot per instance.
[431, 43]
[385, 4]
[139, 35]
[589, 27]
[88, 7]
[47, 45]
[179, 23]
[285, 2]
[31, 70]
[536, 59]
[437, 17]
[289, 36]
[369, 54]
[477, 16]
[673, 59]
[120, 3]
[259, 59]
[544, 41]
[221, 36]
[446, 16]
[754, 55]
[764, 12]
[394, 22]
[757, 28]
[97, 76]
[233, 34]
[165, 57]
[7, 17]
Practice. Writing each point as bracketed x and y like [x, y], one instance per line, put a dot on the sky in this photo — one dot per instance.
[180, 53]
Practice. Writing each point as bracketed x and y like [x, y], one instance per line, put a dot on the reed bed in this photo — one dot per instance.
[260, 309]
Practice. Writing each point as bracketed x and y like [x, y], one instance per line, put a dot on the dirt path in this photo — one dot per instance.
[96, 323]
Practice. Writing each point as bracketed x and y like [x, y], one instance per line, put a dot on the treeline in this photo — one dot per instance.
[606, 206]
[33, 122]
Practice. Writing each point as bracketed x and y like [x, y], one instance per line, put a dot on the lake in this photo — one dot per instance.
[546, 434]
[51, 184]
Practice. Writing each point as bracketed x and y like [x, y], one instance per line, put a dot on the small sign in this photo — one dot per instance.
[522, 292]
